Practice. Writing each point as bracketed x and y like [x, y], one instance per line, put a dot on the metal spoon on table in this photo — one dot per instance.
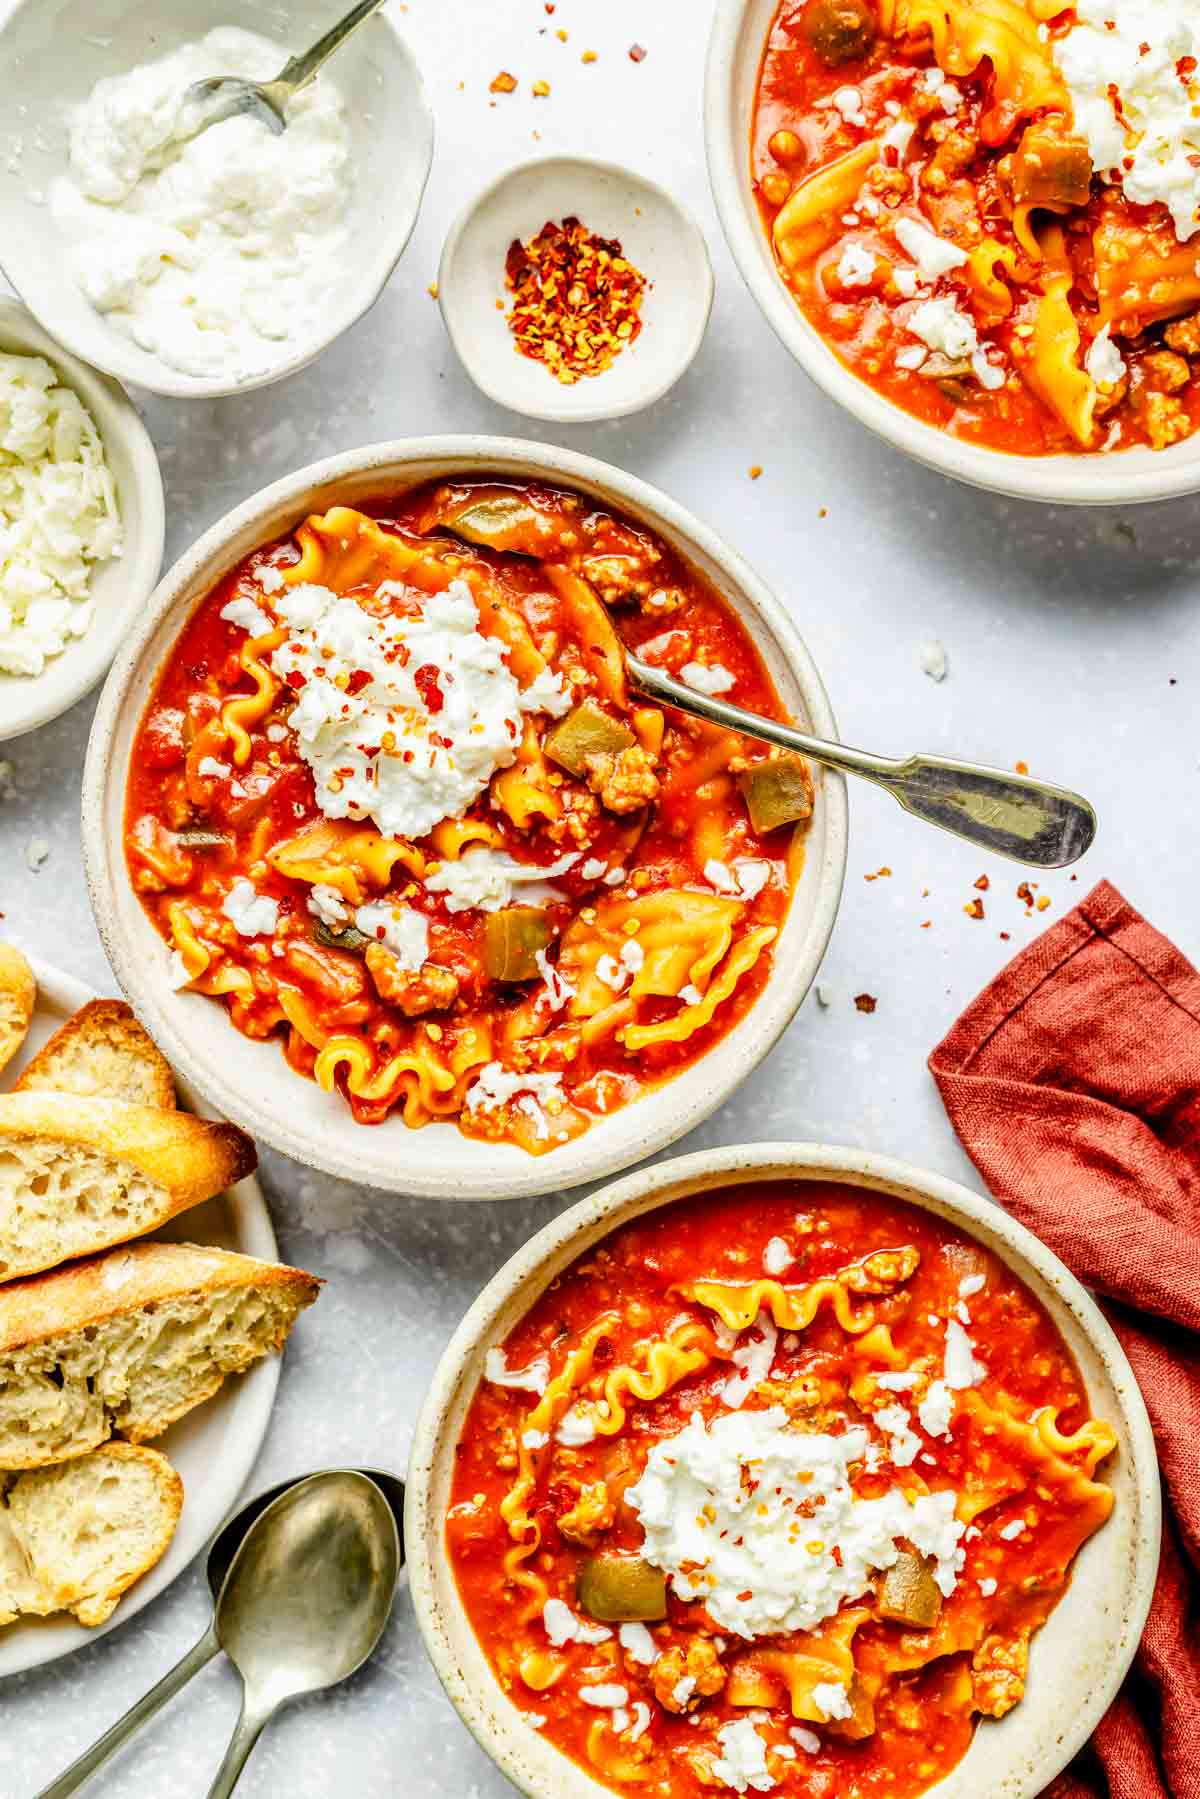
[1027, 820]
[222, 1552]
[220, 97]
[305, 1601]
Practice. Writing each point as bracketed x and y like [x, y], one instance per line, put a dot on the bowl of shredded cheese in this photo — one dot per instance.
[210, 265]
[81, 523]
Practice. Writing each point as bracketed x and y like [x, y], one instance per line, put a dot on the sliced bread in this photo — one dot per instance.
[74, 1537]
[130, 1341]
[77, 1175]
[18, 992]
[102, 1053]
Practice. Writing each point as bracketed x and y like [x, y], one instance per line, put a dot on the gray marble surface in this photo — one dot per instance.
[1072, 641]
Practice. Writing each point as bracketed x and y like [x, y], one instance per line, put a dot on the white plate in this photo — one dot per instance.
[214, 1447]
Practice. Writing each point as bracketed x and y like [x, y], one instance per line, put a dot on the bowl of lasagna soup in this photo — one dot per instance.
[976, 224]
[785, 1469]
[383, 844]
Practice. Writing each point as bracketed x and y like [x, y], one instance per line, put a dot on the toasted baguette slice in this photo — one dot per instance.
[74, 1537]
[18, 992]
[130, 1341]
[101, 1053]
[77, 1175]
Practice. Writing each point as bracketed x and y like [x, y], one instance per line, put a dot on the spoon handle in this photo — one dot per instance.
[1027, 820]
[82, 1770]
[300, 70]
[249, 1729]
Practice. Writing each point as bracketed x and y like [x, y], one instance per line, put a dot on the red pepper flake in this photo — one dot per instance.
[357, 680]
[503, 83]
[866, 1002]
[425, 680]
[541, 90]
[974, 909]
[1006, 936]
[576, 299]
[755, 470]
[983, 883]
[1022, 768]
[294, 679]
[637, 53]
[1025, 894]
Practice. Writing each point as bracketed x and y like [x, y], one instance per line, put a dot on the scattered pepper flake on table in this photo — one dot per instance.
[1025, 894]
[983, 883]
[1043, 903]
[637, 53]
[576, 299]
[540, 90]
[588, 56]
[866, 1002]
[755, 470]
[1022, 768]
[974, 909]
[503, 83]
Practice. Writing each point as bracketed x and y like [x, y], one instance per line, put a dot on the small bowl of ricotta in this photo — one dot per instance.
[81, 523]
[228, 261]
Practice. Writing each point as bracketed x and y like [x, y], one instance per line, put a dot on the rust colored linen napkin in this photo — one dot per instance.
[1073, 1082]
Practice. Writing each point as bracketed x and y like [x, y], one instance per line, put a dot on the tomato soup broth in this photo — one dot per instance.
[675, 1392]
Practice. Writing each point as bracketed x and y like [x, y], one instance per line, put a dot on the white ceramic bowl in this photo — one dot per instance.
[120, 586]
[655, 232]
[250, 1082]
[52, 53]
[739, 34]
[1078, 1659]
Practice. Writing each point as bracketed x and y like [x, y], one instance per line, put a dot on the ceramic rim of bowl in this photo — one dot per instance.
[499, 1726]
[377, 1156]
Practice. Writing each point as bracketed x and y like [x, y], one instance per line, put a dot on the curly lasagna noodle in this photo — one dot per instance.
[769, 1493]
[991, 209]
[393, 801]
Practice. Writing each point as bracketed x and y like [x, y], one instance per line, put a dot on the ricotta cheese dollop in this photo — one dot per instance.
[220, 256]
[58, 514]
[760, 1522]
[1131, 68]
[403, 712]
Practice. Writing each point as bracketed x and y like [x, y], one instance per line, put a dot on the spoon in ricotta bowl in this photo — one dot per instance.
[217, 97]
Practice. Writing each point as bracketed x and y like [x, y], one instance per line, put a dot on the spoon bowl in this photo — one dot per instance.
[223, 1552]
[220, 97]
[305, 1600]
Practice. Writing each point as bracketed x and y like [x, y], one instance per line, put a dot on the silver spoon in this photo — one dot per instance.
[1027, 820]
[223, 1549]
[220, 97]
[305, 1600]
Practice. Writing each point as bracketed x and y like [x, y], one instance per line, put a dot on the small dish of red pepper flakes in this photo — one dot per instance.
[577, 299]
[559, 265]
